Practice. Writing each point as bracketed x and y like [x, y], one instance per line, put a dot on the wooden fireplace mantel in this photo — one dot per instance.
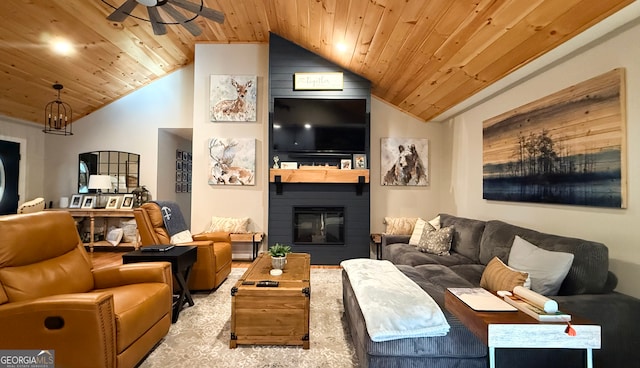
[318, 176]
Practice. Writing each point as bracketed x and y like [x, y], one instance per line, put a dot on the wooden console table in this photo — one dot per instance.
[519, 330]
[104, 214]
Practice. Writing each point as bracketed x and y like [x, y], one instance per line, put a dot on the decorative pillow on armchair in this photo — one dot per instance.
[499, 276]
[436, 241]
[400, 225]
[228, 225]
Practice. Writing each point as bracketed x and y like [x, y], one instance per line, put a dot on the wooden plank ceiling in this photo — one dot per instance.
[423, 56]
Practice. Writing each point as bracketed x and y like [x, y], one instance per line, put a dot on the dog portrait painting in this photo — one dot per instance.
[404, 161]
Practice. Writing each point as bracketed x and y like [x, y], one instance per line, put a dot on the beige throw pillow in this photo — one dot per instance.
[498, 276]
[228, 224]
[400, 225]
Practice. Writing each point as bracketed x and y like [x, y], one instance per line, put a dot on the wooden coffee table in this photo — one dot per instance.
[272, 315]
[519, 330]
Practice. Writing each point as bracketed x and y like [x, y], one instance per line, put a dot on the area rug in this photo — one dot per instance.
[200, 337]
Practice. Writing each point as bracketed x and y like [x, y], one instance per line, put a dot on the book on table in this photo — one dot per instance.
[481, 300]
[537, 306]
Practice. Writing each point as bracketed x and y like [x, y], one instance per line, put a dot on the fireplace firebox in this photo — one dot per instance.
[318, 225]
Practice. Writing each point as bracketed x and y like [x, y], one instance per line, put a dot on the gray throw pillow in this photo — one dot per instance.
[436, 241]
[546, 269]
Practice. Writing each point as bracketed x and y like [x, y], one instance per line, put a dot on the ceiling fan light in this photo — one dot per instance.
[148, 2]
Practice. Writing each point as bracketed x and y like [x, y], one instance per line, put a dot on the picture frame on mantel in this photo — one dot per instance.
[359, 161]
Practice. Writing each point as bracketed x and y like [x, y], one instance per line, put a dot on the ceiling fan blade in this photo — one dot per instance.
[214, 15]
[156, 21]
[123, 11]
[190, 26]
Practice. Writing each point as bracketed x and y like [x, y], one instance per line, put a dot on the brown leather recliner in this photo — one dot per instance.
[51, 298]
[214, 249]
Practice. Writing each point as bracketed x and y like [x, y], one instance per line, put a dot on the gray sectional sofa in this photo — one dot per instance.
[586, 291]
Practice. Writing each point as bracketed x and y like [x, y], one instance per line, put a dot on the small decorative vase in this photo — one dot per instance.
[278, 262]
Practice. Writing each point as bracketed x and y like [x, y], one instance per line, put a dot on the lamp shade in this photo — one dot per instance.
[101, 182]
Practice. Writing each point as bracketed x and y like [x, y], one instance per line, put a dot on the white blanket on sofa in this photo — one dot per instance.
[393, 306]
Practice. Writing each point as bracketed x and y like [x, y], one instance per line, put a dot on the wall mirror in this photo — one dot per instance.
[123, 167]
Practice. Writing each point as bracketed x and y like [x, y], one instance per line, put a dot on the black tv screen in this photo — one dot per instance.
[319, 125]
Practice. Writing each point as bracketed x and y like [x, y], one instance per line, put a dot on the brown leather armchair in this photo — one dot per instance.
[52, 298]
[214, 249]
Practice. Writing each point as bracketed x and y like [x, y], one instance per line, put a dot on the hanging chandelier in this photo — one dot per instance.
[58, 115]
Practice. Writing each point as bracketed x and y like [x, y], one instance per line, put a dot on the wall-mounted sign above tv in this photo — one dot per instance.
[305, 125]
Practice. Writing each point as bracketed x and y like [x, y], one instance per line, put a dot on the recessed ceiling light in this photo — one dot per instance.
[62, 46]
[307, 126]
[341, 46]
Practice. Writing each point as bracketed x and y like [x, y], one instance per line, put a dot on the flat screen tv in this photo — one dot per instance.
[319, 125]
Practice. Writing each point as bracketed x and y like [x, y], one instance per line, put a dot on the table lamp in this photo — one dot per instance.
[99, 183]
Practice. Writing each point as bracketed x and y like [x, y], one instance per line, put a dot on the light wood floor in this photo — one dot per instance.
[105, 259]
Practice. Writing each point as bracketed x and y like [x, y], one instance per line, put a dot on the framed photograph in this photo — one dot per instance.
[178, 155]
[76, 201]
[359, 161]
[127, 201]
[345, 164]
[288, 165]
[178, 165]
[88, 202]
[112, 203]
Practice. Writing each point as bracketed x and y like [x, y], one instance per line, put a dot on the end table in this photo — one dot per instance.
[182, 258]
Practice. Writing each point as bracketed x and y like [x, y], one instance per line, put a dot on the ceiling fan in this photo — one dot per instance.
[168, 7]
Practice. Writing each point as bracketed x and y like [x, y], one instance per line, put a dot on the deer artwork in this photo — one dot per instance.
[233, 109]
[222, 172]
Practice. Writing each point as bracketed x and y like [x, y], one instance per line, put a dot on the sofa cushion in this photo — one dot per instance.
[466, 235]
[547, 269]
[588, 273]
[436, 241]
[228, 225]
[400, 225]
[405, 254]
[418, 230]
[498, 276]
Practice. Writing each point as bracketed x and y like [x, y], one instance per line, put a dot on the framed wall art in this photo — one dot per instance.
[566, 148]
[232, 161]
[233, 97]
[404, 161]
[183, 171]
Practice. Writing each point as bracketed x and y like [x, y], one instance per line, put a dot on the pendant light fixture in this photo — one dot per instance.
[58, 115]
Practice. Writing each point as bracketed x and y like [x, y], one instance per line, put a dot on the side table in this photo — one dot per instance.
[376, 239]
[182, 258]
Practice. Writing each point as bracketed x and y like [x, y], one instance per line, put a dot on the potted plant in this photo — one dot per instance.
[278, 254]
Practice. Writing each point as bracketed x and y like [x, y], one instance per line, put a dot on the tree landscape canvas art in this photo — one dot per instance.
[566, 148]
